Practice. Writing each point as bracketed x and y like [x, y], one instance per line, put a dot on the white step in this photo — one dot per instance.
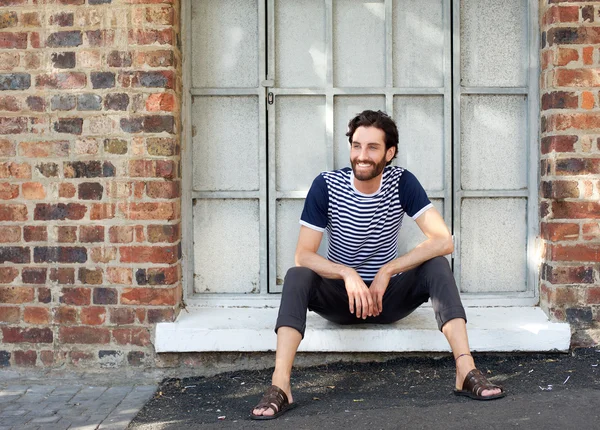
[494, 329]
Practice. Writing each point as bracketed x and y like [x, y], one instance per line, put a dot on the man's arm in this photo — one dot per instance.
[438, 243]
[306, 256]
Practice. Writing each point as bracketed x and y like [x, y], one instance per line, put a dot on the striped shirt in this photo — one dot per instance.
[363, 228]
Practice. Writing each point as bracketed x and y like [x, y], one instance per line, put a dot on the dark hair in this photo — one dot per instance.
[380, 120]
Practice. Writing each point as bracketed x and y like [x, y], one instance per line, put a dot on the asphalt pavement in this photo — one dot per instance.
[545, 391]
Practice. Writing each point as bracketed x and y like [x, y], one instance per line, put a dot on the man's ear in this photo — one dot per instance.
[389, 154]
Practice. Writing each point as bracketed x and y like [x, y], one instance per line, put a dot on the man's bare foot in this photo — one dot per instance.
[464, 364]
[284, 384]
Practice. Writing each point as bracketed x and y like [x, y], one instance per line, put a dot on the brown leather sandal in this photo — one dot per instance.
[475, 383]
[274, 399]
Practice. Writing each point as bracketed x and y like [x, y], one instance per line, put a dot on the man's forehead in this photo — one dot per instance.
[368, 135]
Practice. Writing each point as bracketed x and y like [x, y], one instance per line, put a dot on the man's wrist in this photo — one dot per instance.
[346, 272]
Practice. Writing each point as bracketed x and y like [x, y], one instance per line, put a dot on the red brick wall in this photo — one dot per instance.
[570, 165]
[89, 180]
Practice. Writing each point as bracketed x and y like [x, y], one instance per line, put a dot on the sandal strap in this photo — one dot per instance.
[462, 355]
[476, 382]
[274, 399]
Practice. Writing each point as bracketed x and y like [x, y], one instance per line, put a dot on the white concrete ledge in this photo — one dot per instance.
[493, 329]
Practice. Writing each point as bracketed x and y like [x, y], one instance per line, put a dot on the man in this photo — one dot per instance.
[362, 280]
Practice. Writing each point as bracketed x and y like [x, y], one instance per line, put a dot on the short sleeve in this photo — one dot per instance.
[314, 214]
[413, 197]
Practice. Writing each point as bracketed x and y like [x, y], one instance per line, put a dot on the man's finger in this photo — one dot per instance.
[380, 302]
[358, 306]
[351, 302]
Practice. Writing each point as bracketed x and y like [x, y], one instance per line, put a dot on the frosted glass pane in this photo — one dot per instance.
[225, 145]
[493, 43]
[493, 245]
[420, 121]
[226, 246]
[418, 43]
[224, 43]
[288, 227]
[300, 142]
[410, 234]
[346, 108]
[493, 142]
[359, 43]
[301, 59]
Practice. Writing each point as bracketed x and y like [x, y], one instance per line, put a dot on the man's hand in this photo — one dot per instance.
[359, 297]
[377, 288]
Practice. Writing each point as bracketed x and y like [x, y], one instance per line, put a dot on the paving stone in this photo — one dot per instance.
[13, 413]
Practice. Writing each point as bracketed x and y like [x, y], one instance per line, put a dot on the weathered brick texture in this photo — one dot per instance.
[570, 165]
[89, 180]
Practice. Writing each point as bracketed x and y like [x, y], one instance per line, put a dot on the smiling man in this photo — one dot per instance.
[363, 280]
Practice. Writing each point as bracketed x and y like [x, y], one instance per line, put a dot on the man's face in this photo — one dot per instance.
[368, 155]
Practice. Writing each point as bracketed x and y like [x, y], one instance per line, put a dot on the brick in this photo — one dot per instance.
[152, 168]
[575, 210]
[579, 253]
[162, 146]
[149, 211]
[568, 275]
[15, 254]
[150, 296]
[59, 254]
[105, 296]
[14, 81]
[93, 315]
[16, 295]
[122, 316]
[13, 125]
[579, 316]
[89, 102]
[91, 233]
[157, 276]
[101, 211]
[66, 234]
[592, 295]
[115, 146]
[118, 102]
[588, 55]
[132, 125]
[103, 254]
[30, 19]
[163, 233]
[59, 211]
[62, 19]
[578, 166]
[51, 148]
[25, 358]
[159, 124]
[63, 102]
[89, 59]
[119, 59]
[34, 275]
[8, 191]
[33, 191]
[10, 104]
[100, 38]
[63, 60]
[5, 358]
[62, 275]
[89, 169]
[10, 314]
[102, 80]
[90, 276]
[163, 190]
[65, 315]
[587, 100]
[8, 19]
[44, 295]
[61, 81]
[84, 335]
[78, 296]
[121, 234]
[90, 191]
[139, 336]
[8, 274]
[20, 170]
[161, 315]
[7, 148]
[36, 103]
[66, 190]
[69, 125]
[119, 275]
[13, 40]
[559, 189]
[87, 146]
[10, 234]
[61, 39]
[35, 233]
[136, 358]
[158, 58]
[49, 170]
[37, 315]
[150, 37]
[118, 190]
[560, 100]
[587, 13]
[591, 231]
[22, 335]
[47, 358]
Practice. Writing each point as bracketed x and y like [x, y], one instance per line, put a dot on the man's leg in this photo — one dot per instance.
[302, 289]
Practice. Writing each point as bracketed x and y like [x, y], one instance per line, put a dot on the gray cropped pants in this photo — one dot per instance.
[303, 290]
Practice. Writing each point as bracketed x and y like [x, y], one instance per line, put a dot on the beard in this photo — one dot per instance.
[367, 175]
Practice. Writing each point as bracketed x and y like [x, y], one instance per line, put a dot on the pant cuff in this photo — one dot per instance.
[450, 313]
